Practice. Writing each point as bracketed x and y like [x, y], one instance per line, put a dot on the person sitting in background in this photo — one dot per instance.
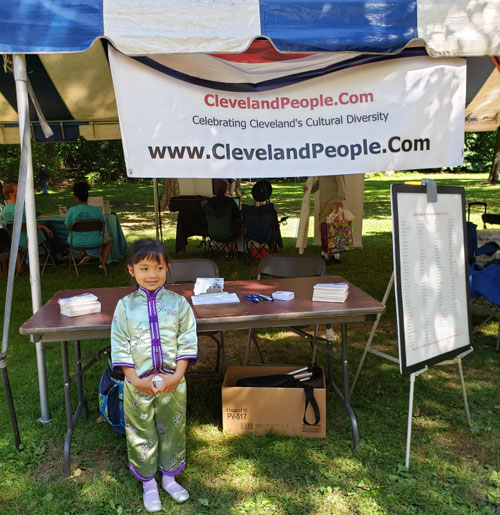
[221, 200]
[5, 240]
[10, 194]
[261, 192]
[82, 211]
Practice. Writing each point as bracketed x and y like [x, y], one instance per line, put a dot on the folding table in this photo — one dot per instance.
[49, 325]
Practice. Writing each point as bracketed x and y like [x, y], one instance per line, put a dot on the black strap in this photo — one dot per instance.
[309, 391]
[118, 375]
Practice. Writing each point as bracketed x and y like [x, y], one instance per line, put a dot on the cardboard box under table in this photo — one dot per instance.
[258, 410]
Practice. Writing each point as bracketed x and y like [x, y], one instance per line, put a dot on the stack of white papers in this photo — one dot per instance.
[283, 295]
[331, 292]
[214, 298]
[79, 305]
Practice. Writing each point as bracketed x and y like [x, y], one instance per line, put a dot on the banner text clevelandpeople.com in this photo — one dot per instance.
[227, 151]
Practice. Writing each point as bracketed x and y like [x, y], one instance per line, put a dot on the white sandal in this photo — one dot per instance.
[179, 495]
[151, 500]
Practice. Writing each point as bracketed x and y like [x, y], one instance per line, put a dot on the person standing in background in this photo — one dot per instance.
[330, 194]
[43, 175]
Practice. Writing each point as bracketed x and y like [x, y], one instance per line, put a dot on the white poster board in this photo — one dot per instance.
[430, 272]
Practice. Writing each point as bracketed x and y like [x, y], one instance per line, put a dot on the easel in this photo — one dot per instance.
[413, 375]
[431, 197]
[393, 359]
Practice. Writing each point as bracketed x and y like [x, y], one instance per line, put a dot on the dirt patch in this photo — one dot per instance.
[83, 467]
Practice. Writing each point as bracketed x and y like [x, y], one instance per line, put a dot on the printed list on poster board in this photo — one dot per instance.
[433, 278]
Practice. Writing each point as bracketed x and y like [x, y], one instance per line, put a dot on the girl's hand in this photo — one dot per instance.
[145, 385]
[170, 383]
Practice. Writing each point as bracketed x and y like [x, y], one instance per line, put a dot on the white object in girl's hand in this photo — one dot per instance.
[157, 382]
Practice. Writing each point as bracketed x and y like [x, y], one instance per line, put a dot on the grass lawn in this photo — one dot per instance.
[454, 468]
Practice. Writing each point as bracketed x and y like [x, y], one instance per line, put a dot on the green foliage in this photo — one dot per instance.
[478, 152]
[102, 157]
[93, 178]
[9, 162]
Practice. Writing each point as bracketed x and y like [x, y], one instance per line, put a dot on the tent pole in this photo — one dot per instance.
[21, 79]
[155, 196]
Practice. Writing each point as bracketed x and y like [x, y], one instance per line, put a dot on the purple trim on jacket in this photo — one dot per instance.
[115, 366]
[154, 329]
[191, 359]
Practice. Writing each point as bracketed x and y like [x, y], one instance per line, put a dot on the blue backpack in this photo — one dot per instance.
[111, 399]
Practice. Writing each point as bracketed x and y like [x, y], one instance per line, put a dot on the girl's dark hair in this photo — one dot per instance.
[81, 191]
[146, 248]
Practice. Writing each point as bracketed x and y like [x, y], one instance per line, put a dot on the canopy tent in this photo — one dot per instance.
[62, 36]
[445, 27]
[69, 71]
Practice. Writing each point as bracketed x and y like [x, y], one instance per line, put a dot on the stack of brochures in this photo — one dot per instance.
[331, 292]
[283, 295]
[80, 305]
[210, 290]
[204, 299]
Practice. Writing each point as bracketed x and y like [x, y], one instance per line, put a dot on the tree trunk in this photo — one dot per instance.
[495, 166]
[170, 189]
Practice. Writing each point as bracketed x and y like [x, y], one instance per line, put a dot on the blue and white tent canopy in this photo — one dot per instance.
[66, 42]
[445, 27]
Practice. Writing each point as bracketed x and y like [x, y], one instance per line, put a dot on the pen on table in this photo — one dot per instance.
[265, 297]
[251, 298]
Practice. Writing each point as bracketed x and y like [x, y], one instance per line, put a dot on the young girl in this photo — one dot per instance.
[153, 340]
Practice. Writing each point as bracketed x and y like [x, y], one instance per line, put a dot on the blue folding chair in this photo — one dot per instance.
[484, 281]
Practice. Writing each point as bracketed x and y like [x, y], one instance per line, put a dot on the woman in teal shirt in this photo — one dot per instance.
[82, 211]
[10, 194]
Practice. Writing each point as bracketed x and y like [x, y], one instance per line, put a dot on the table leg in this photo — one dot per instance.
[71, 418]
[79, 379]
[67, 405]
[345, 398]
[347, 394]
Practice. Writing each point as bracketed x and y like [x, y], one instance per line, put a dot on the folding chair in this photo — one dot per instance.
[219, 229]
[490, 218]
[23, 251]
[261, 230]
[293, 265]
[82, 226]
[188, 270]
[487, 218]
[484, 281]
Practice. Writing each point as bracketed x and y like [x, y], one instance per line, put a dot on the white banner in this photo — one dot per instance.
[399, 114]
